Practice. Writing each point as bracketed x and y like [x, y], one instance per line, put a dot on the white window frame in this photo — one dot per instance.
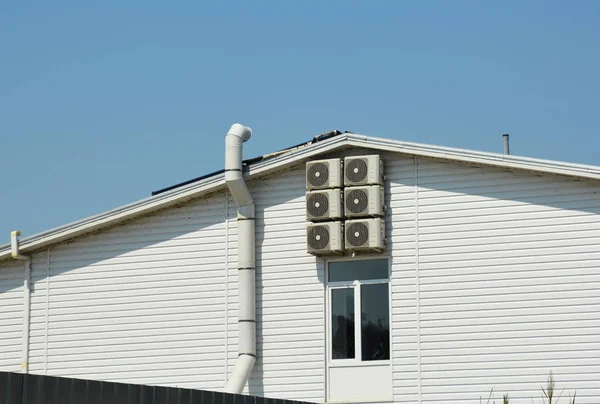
[356, 285]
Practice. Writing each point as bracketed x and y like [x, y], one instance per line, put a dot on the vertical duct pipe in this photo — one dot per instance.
[14, 249]
[236, 136]
[506, 144]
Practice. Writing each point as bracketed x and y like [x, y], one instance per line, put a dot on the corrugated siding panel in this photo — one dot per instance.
[11, 315]
[290, 294]
[39, 303]
[139, 303]
[401, 235]
[509, 283]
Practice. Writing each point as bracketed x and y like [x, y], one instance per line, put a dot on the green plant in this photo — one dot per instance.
[550, 390]
[489, 397]
[504, 398]
[573, 400]
[549, 394]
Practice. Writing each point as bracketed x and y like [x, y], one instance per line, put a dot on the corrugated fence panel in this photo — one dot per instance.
[509, 283]
[37, 389]
[139, 303]
[11, 315]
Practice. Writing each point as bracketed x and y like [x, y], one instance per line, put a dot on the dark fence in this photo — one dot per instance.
[18, 388]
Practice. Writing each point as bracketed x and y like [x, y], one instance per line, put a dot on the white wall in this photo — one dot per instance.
[11, 315]
[141, 303]
[495, 282]
[509, 283]
[401, 230]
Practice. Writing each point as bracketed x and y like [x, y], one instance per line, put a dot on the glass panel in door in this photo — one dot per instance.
[375, 322]
[342, 323]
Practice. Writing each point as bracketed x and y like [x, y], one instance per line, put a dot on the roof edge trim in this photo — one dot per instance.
[164, 200]
[214, 183]
[490, 159]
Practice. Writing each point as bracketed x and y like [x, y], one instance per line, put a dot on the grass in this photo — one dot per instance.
[548, 394]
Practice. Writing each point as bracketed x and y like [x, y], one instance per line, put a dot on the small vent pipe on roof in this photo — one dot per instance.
[236, 136]
[506, 144]
[14, 250]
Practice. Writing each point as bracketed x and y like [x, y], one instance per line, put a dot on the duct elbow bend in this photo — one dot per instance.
[236, 136]
[240, 374]
[240, 131]
[14, 246]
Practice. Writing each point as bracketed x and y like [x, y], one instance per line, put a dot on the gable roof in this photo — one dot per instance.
[326, 143]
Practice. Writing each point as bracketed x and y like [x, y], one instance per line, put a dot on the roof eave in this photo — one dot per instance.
[163, 200]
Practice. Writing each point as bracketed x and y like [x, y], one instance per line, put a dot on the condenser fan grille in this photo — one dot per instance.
[357, 201]
[317, 174]
[357, 234]
[318, 237]
[356, 170]
[317, 205]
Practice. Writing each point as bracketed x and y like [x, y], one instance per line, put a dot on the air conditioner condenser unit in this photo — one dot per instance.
[324, 204]
[324, 238]
[364, 201]
[363, 170]
[365, 235]
[323, 174]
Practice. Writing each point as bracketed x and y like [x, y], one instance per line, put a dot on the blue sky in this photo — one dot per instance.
[102, 103]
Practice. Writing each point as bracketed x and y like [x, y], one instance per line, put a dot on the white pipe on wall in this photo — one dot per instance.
[14, 247]
[236, 136]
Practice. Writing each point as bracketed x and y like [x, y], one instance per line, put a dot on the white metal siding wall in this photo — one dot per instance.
[495, 282]
[38, 343]
[438, 228]
[11, 315]
[141, 303]
[401, 235]
[509, 281]
[290, 294]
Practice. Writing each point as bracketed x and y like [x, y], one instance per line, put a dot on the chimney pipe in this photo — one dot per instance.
[506, 144]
